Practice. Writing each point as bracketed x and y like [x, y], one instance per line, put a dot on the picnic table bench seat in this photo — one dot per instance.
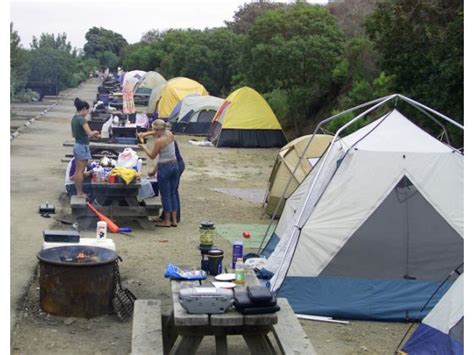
[289, 333]
[147, 330]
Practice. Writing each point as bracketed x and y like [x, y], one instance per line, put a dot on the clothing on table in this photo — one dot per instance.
[78, 132]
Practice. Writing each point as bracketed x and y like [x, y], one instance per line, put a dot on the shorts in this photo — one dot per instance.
[82, 152]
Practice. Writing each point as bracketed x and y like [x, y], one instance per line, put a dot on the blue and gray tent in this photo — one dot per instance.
[193, 115]
[442, 330]
[376, 225]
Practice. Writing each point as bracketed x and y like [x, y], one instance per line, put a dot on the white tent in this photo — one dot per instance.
[133, 77]
[193, 115]
[441, 331]
[362, 235]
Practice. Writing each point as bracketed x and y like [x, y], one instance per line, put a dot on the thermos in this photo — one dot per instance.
[215, 261]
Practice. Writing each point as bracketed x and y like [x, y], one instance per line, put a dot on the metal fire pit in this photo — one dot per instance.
[77, 281]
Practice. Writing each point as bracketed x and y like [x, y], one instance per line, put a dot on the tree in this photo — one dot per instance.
[100, 41]
[294, 49]
[422, 46]
[206, 56]
[20, 66]
[352, 14]
[151, 36]
[245, 17]
[58, 42]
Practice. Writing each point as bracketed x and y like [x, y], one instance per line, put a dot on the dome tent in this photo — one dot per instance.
[148, 82]
[145, 85]
[283, 178]
[193, 115]
[174, 91]
[246, 120]
[441, 331]
[366, 228]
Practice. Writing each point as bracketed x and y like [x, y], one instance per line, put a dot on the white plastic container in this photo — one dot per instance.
[101, 230]
[139, 165]
[103, 243]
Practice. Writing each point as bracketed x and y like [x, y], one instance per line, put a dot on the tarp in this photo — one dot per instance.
[246, 120]
[284, 173]
[377, 210]
[174, 91]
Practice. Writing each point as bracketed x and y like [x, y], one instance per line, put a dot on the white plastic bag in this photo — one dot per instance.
[128, 158]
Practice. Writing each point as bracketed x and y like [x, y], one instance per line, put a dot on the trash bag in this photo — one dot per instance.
[128, 158]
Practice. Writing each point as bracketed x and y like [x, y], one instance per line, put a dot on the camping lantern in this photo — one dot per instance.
[206, 234]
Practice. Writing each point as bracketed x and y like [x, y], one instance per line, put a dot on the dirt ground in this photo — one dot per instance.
[146, 253]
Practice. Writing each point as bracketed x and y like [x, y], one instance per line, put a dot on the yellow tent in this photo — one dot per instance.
[174, 91]
[284, 168]
[246, 120]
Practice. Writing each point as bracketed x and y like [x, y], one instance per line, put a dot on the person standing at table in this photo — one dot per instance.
[168, 171]
[81, 133]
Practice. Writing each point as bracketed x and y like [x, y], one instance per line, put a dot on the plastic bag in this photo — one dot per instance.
[128, 158]
[174, 272]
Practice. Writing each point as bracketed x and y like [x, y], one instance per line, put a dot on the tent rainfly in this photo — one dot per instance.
[375, 225]
[246, 120]
[174, 91]
[193, 114]
[284, 179]
[441, 331]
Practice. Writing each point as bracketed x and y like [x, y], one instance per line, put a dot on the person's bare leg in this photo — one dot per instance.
[174, 220]
[166, 220]
[79, 177]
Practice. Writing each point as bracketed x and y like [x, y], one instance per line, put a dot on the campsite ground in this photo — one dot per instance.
[146, 254]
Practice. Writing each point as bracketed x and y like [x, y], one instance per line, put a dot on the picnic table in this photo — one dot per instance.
[115, 200]
[102, 148]
[257, 330]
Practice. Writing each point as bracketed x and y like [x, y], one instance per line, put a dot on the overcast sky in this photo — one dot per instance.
[129, 18]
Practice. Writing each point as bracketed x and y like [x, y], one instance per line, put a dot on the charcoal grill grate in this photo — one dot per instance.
[124, 299]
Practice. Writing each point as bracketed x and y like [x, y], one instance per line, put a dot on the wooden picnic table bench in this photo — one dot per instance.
[257, 330]
[115, 200]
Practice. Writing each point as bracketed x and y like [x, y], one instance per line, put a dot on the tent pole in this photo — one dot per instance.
[301, 157]
[445, 133]
[413, 102]
[296, 227]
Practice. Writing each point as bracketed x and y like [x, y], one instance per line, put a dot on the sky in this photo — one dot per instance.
[129, 18]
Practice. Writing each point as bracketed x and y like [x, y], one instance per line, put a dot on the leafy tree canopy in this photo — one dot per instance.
[422, 46]
[100, 41]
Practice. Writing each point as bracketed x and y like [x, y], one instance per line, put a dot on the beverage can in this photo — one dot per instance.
[237, 251]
